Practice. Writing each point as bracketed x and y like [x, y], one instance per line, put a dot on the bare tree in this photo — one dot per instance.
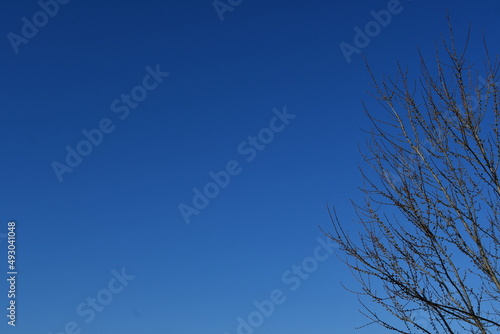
[429, 242]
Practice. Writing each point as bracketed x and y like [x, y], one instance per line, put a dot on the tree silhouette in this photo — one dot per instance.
[429, 242]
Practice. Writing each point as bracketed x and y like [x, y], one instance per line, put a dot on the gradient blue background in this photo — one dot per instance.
[119, 208]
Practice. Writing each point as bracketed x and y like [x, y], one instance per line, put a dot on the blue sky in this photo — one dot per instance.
[228, 80]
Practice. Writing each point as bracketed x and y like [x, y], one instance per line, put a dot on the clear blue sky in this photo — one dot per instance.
[119, 207]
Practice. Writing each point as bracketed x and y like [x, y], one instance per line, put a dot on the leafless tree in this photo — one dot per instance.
[430, 224]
